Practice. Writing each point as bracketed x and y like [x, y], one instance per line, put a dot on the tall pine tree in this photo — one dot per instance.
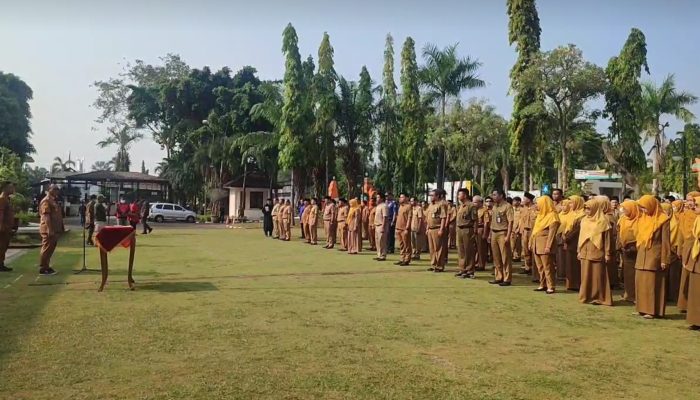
[388, 120]
[524, 31]
[325, 102]
[412, 119]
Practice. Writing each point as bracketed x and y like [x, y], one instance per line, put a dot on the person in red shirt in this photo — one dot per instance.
[122, 212]
[134, 213]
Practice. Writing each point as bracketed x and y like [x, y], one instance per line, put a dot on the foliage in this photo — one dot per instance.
[624, 108]
[411, 142]
[103, 165]
[123, 137]
[524, 31]
[325, 105]
[672, 179]
[15, 113]
[61, 166]
[388, 122]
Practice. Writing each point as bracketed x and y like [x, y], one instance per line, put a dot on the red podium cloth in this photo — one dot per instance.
[110, 236]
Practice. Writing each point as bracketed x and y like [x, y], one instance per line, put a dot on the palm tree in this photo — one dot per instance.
[445, 75]
[123, 137]
[103, 165]
[659, 101]
[59, 165]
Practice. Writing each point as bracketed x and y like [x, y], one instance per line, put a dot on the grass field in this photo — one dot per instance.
[229, 314]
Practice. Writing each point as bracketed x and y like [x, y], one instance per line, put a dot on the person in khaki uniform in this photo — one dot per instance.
[527, 222]
[312, 221]
[354, 224]
[8, 225]
[275, 219]
[365, 221]
[595, 250]
[627, 246]
[691, 267]
[372, 230]
[287, 215]
[653, 258]
[304, 219]
[570, 235]
[341, 224]
[404, 218]
[381, 227]
[467, 219]
[687, 222]
[452, 224]
[516, 235]
[436, 217]
[51, 224]
[501, 228]
[328, 218]
[482, 233]
[417, 231]
[542, 242]
[424, 248]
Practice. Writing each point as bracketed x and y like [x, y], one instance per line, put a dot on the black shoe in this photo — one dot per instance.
[504, 284]
[459, 274]
[381, 259]
[398, 263]
[524, 272]
[540, 289]
[47, 272]
[469, 276]
[431, 269]
[4, 268]
[495, 282]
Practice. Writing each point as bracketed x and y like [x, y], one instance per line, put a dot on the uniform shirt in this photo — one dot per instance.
[313, 215]
[451, 214]
[501, 215]
[275, 209]
[286, 212]
[100, 212]
[381, 213]
[418, 216]
[484, 216]
[516, 218]
[436, 212]
[342, 215]
[7, 215]
[90, 212]
[305, 214]
[328, 212]
[372, 215]
[403, 216]
[527, 218]
[467, 215]
[392, 207]
[49, 213]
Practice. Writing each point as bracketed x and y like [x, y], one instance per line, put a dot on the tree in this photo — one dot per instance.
[124, 138]
[61, 166]
[672, 179]
[103, 165]
[15, 114]
[325, 104]
[143, 167]
[657, 102]
[412, 136]
[445, 76]
[295, 118]
[568, 83]
[524, 31]
[387, 118]
[623, 105]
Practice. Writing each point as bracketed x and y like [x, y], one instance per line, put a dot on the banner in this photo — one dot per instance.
[594, 175]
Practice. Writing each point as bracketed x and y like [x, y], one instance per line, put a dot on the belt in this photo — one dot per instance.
[433, 228]
[481, 225]
[498, 231]
[528, 229]
[465, 227]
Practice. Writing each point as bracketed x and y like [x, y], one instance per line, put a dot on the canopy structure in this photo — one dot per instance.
[112, 183]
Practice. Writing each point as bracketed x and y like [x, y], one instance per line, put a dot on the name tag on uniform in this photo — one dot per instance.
[499, 218]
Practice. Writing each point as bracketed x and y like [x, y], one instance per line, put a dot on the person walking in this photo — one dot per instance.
[145, 213]
[501, 229]
[50, 226]
[382, 224]
[8, 224]
[89, 223]
[467, 219]
[101, 213]
[404, 216]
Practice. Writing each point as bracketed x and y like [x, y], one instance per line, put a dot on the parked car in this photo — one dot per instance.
[171, 212]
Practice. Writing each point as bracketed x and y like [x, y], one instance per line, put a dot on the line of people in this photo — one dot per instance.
[648, 248]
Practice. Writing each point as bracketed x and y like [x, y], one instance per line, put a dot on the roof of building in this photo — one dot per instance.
[254, 179]
[105, 176]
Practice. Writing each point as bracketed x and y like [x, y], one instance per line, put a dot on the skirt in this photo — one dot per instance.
[682, 303]
[693, 316]
[673, 283]
[628, 274]
[595, 283]
[573, 270]
[650, 287]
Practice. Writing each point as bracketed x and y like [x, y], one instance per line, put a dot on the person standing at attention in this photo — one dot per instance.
[381, 227]
[527, 222]
[305, 220]
[467, 219]
[417, 231]
[365, 221]
[341, 223]
[437, 228]
[687, 218]
[354, 224]
[482, 233]
[404, 216]
[570, 235]
[516, 237]
[286, 216]
[90, 220]
[328, 216]
[692, 268]
[275, 219]
[392, 208]
[627, 246]
[51, 224]
[372, 230]
[302, 207]
[8, 225]
[595, 250]
[452, 225]
[653, 258]
[267, 218]
[543, 242]
[145, 213]
[501, 229]
[312, 220]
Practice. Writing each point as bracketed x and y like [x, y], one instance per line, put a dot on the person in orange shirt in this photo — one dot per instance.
[8, 224]
[305, 221]
[50, 226]
[328, 217]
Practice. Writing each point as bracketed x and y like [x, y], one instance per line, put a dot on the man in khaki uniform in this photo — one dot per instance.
[515, 238]
[382, 224]
[275, 219]
[404, 218]
[286, 217]
[342, 224]
[436, 217]
[328, 219]
[452, 224]
[305, 220]
[312, 220]
[51, 223]
[482, 232]
[7, 221]
[417, 231]
[528, 214]
[467, 219]
[501, 228]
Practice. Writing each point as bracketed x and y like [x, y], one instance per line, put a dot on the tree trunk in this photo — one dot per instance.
[526, 171]
[656, 163]
[563, 183]
[481, 178]
[241, 210]
[440, 175]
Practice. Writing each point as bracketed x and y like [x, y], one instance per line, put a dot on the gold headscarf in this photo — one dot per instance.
[575, 210]
[696, 234]
[564, 216]
[594, 224]
[354, 208]
[694, 194]
[546, 215]
[676, 239]
[686, 219]
[628, 222]
[650, 221]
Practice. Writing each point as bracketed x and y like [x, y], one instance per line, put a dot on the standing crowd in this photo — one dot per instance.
[649, 248]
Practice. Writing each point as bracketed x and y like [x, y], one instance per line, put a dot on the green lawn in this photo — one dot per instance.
[229, 314]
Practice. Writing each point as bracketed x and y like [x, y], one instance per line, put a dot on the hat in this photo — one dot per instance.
[529, 195]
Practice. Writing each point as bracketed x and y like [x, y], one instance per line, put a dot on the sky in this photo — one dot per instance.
[61, 48]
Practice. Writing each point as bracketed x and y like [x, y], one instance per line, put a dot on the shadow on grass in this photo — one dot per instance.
[19, 311]
[178, 287]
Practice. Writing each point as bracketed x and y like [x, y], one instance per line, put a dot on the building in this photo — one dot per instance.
[255, 187]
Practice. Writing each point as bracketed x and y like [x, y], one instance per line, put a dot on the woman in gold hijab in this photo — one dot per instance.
[692, 267]
[542, 242]
[570, 239]
[612, 265]
[354, 224]
[595, 250]
[686, 219]
[564, 209]
[627, 245]
[653, 258]
[673, 282]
